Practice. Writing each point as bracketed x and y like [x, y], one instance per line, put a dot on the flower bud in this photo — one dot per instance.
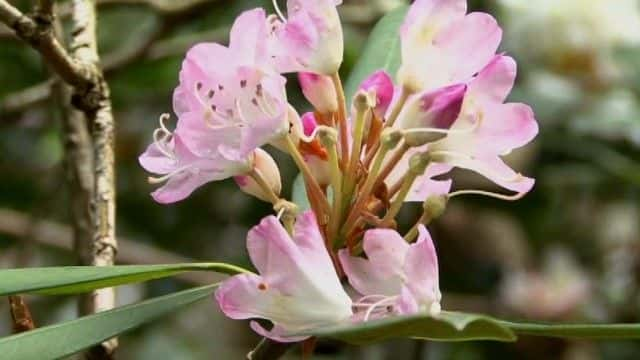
[390, 138]
[433, 109]
[364, 100]
[434, 206]
[264, 165]
[320, 92]
[418, 163]
[380, 84]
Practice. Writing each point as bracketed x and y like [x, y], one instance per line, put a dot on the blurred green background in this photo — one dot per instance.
[569, 251]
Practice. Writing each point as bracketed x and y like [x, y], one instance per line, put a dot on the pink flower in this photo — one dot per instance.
[484, 130]
[231, 93]
[488, 129]
[381, 85]
[310, 39]
[182, 170]
[397, 277]
[441, 45]
[297, 289]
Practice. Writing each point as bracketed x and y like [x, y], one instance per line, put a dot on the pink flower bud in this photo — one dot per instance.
[267, 167]
[320, 92]
[381, 85]
[433, 109]
[309, 123]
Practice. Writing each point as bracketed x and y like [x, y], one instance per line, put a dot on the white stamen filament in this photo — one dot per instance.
[427, 130]
[459, 155]
[494, 195]
[383, 302]
[278, 11]
[162, 136]
[161, 179]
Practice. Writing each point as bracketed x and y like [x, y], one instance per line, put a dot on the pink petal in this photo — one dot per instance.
[494, 83]
[380, 82]
[506, 127]
[433, 108]
[277, 333]
[424, 186]
[381, 273]
[421, 270]
[494, 169]
[435, 13]
[248, 38]
[470, 43]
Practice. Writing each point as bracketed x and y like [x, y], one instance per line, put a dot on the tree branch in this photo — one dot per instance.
[39, 34]
[102, 249]
[48, 233]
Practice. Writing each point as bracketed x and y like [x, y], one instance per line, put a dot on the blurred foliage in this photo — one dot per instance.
[585, 204]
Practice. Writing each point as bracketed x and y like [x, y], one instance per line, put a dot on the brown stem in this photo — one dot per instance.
[22, 319]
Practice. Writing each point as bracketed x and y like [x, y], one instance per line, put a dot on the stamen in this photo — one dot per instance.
[161, 179]
[243, 83]
[382, 302]
[459, 155]
[280, 213]
[494, 195]
[278, 11]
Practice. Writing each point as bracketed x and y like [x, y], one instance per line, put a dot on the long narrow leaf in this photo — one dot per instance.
[79, 279]
[382, 51]
[60, 340]
[581, 331]
[449, 326]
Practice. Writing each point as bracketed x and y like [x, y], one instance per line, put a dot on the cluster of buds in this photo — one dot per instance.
[360, 162]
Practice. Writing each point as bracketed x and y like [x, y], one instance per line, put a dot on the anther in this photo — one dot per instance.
[211, 93]
[243, 83]
[199, 86]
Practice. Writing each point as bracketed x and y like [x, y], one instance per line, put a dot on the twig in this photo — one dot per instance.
[150, 48]
[22, 319]
[27, 98]
[17, 224]
[268, 349]
[40, 36]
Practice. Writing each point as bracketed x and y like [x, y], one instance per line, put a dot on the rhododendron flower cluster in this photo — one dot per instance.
[396, 142]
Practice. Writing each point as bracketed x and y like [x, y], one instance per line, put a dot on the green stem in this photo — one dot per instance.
[396, 205]
[336, 184]
[341, 119]
[308, 176]
[367, 188]
[351, 177]
[393, 116]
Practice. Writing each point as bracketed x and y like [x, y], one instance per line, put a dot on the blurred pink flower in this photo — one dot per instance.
[297, 289]
[309, 39]
[441, 45]
[397, 277]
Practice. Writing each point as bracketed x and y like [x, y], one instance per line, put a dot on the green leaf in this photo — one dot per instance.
[299, 194]
[79, 279]
[60, 340]
[448, 326]
[382, 51]
[582, 331]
